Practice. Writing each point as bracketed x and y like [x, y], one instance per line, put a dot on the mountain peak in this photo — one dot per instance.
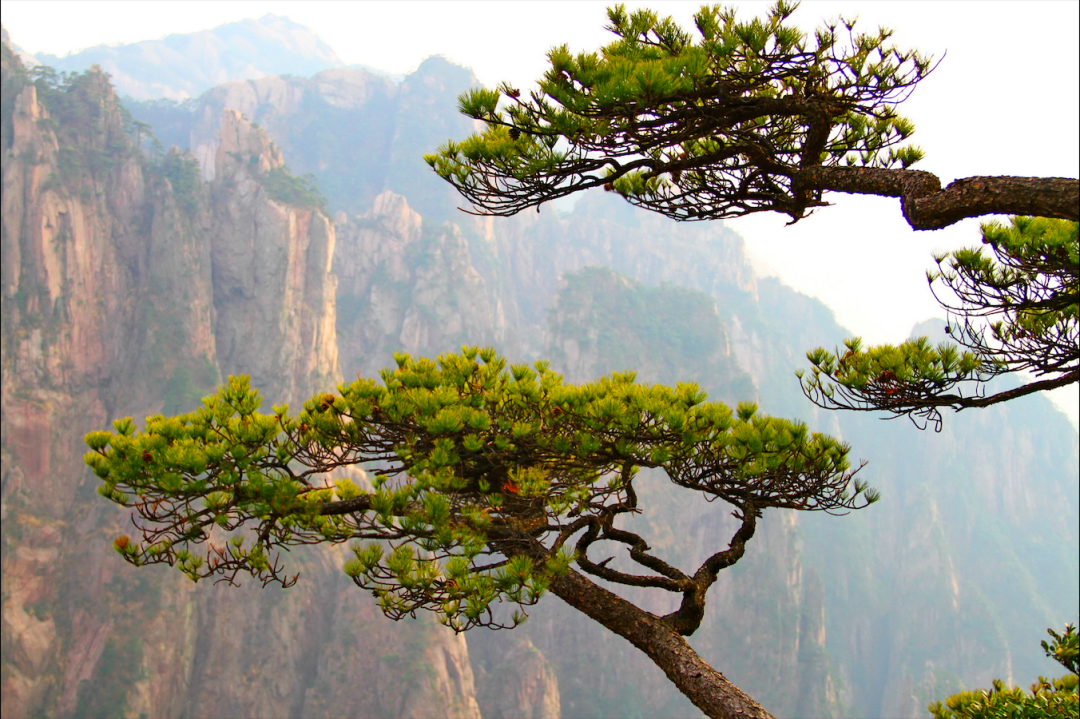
[180, 66]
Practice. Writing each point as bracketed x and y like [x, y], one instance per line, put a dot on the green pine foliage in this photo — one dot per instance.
[181, 169]
[1028, 284]
[701, 127]
[1047, 699]
[474, 462]
[82, 113]
[1065, 648]
[1017, 309]
[302, 192]
[68, 97]
[13, 84]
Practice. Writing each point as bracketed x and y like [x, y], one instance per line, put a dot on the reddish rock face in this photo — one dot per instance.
[123, 297]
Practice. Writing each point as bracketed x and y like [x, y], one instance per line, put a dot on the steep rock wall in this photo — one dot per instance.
[273, 288]
[405, 287]
[129, 290]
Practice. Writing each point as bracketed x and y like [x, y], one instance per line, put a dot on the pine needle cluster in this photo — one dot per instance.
[1016, 308]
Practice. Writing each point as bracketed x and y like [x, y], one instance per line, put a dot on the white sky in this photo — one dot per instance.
[1004, 101]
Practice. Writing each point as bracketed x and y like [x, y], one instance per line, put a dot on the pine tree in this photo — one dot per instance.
[492, 485]
[754, 116]
[748, 117]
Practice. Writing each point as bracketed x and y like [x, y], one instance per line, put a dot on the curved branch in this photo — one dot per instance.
[639, 549]
[687, 618]
[674, 581]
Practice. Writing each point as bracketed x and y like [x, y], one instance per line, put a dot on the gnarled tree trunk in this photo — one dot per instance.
[708, 689]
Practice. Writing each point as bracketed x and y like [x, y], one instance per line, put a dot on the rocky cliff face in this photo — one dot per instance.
[361, 133]
[281, 104]
[406, 287]
[513, 678]
[129, 288]
[273, 288]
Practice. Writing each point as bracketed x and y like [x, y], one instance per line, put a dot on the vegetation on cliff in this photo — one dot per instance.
[302, 192]
[611, 323]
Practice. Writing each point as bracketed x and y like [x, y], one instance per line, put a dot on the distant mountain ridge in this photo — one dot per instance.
[359, 133]
[182, 66]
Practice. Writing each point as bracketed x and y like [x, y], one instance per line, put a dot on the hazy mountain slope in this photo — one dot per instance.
[360, 133]
[182, 66]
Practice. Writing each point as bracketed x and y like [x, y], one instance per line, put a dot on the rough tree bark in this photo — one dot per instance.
[708, 689]
[927, 206]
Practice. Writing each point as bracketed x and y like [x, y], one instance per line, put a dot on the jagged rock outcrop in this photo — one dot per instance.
[284, 107]
[273, 288]
[406, 287]
[388, 125]
[130, 288]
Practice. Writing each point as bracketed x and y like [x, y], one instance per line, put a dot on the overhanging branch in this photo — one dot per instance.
[926, 206]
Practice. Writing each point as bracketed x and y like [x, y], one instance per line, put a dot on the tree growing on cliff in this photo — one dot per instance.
[492, 485]
[755, 117]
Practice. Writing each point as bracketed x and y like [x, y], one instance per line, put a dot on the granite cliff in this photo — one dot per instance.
[129, 288]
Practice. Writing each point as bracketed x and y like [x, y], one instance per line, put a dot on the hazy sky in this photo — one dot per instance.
[1003, 101]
